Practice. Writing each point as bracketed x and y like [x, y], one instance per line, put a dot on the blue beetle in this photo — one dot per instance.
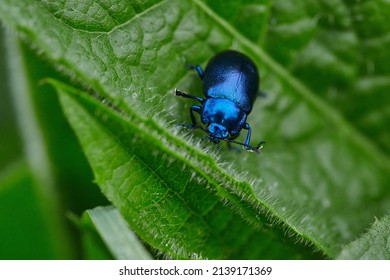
[230, 84]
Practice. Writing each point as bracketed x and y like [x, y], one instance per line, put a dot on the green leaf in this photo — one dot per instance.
[116, 234]
[318, 179]
[374, 245]
[181, 213]
[93, 246]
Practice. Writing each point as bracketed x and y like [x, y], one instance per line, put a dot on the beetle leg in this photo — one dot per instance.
[248, 138]
[186, 95]
[198, 69]
[194, 108]
[194, 125]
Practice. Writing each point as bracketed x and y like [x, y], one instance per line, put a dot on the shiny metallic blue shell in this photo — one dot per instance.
[233, 76]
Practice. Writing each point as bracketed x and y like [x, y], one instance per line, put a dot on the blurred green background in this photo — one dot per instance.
[36, 206]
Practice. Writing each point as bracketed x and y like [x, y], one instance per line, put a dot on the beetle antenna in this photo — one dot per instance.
[186, 95]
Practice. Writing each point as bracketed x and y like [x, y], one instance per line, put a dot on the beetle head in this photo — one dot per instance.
[217, 132]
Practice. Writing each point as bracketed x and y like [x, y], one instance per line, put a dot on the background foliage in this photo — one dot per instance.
[88, 118]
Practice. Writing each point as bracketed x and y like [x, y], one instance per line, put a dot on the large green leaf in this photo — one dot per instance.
[318, 179]
[170, 201]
